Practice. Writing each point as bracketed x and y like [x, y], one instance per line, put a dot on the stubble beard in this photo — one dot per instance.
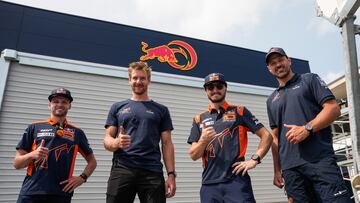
[139, 90]
[221, 99]
[284, 74]
[63, 114]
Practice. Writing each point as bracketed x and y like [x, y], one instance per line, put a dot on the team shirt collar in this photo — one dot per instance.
[224, 105]
[292, 80]
[53, 121]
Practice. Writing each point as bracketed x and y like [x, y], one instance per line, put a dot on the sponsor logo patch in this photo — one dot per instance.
[45, 134]
[68, 134]
[126, 110]
[229, 116]
[276, 97]
[46, 130]
[256, 121]
[209, 123]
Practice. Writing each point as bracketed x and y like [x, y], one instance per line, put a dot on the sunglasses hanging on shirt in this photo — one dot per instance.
[60, 129]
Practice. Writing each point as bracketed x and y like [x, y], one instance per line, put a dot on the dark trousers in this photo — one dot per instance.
[124, 183]
[316, 182]
[43, 199]
[238, 190]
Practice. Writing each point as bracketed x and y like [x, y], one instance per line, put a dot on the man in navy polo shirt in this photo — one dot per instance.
[219, 137]
[48, 149]
[300, 111]
[134, 128]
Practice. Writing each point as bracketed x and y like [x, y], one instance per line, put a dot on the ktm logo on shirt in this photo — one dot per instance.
[43, 163]
[229, 117]
[220, 138]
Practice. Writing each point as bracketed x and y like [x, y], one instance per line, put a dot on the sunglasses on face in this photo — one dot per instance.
[218, 86]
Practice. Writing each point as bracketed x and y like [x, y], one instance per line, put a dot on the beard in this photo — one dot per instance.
[217, 100]
[139, 90]
[282, 75]
[60, 114]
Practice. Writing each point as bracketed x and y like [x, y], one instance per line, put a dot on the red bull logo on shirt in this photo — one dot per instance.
[167, 54]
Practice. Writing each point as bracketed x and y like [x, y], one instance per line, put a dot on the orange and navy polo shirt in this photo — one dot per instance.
[64, 142]
[231, 124]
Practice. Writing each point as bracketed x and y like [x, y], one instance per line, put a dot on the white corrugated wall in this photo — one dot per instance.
[25, 101]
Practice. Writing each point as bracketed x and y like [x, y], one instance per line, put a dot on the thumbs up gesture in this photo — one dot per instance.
[124, 140]
[41, 152]
[207, 133]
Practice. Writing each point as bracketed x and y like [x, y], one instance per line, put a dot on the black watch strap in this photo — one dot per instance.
[84, 177]
[172, 173]
[309, 128]
[256, 157]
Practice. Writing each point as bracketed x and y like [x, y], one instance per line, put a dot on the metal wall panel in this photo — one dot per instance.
[25, 101]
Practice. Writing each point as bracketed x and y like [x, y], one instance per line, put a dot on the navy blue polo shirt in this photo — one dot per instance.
[143, 121]
[297, 103]
[231, 124]
[44, 176]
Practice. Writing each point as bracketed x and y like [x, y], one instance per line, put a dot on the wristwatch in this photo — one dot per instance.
[309, 128]
[256, 157]
[84, 177]
[172, 173]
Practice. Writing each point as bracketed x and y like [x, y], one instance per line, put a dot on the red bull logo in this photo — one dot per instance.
[61, 91]
[167, 54]
[214, 77]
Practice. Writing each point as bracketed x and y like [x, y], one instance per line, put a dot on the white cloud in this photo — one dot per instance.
[204, 19]
[321, 26]
[331, 76]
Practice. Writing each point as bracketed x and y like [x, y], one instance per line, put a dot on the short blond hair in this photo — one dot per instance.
[140, 65]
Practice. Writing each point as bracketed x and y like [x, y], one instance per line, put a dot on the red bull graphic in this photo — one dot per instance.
[167, 54]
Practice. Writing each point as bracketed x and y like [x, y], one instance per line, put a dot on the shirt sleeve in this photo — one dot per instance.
[27, 139]
[194, 133]
[111, 118]
[320, 89]
[251, 121]
[84, 145]
[166, 123]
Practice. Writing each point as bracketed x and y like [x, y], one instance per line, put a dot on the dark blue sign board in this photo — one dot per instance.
[50, 33]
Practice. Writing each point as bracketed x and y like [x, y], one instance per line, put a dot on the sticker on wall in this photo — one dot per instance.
[167, 54]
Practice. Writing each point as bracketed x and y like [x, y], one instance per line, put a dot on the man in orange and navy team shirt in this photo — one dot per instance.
[48, 149]
[219, 137]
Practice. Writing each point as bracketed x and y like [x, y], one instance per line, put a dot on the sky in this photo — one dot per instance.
[256, 24]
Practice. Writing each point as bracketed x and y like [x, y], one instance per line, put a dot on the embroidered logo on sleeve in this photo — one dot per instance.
[322, 82]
